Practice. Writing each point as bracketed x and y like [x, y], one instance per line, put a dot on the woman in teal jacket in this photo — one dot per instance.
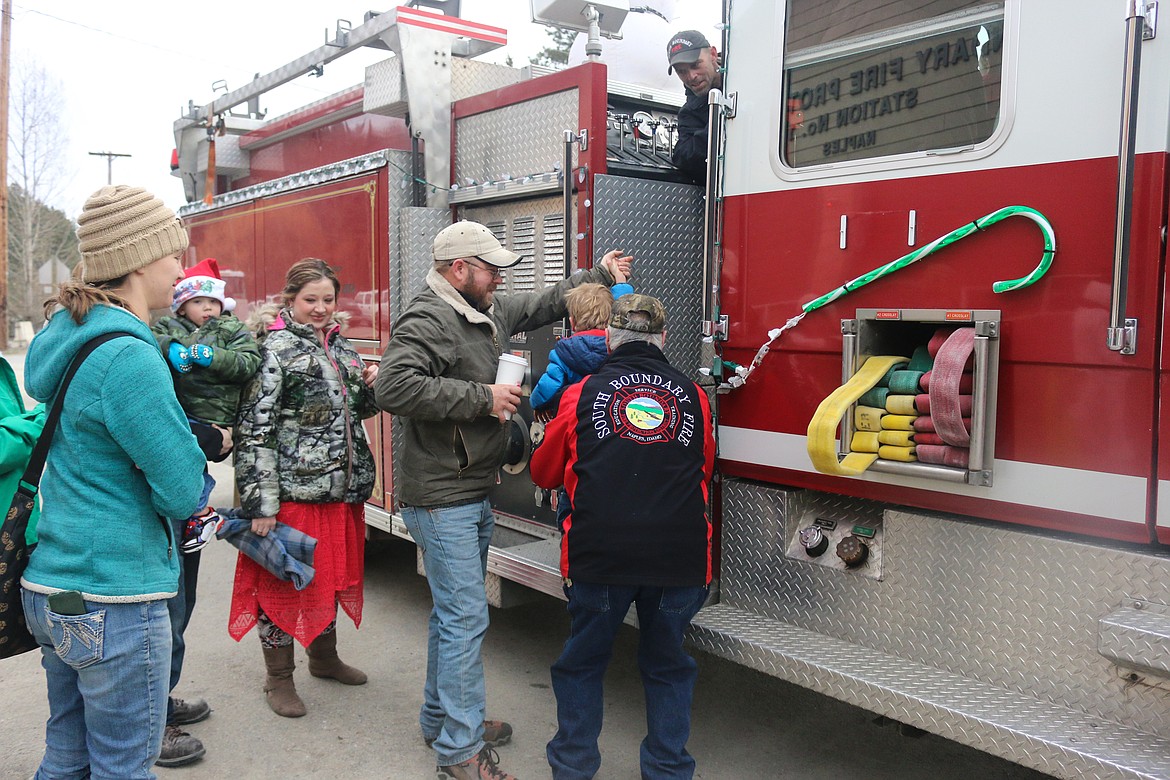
[19, 431]
[122, 461]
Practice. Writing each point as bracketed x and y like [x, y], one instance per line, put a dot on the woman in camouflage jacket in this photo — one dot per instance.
[302, 458]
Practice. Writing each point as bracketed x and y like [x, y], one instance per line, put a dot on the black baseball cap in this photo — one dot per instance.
[685, 47]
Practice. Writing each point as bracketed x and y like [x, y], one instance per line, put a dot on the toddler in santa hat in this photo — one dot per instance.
[213, 355]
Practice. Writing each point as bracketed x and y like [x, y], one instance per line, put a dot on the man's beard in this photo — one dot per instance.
[478, 305]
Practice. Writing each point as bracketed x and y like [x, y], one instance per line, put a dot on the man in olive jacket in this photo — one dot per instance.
[437, 374]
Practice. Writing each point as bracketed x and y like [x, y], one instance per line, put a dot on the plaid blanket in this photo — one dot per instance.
[285, 552]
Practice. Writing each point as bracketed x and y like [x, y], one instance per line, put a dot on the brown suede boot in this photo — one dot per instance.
[278, 685]
[323, 662]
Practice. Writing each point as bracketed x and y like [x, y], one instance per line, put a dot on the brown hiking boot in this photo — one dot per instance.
[483, 766]
[186, 711]
[180, 748]
[495, 733]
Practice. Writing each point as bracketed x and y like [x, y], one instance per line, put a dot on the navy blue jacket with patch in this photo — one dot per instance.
[634, 447]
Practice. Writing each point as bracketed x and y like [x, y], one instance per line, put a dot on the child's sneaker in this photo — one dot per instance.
[200, 530]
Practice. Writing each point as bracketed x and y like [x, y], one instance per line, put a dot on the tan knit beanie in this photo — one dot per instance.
[122, 229]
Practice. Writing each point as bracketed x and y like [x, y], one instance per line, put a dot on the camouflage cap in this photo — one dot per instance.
[652, 319]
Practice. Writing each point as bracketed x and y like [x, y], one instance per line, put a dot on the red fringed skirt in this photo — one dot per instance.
[339, 562]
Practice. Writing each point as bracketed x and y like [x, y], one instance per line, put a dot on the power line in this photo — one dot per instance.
[98, 30]
[185, 55]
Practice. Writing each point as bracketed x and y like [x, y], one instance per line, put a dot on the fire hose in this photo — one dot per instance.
[887, 416]
[893, 420]
[742, 373]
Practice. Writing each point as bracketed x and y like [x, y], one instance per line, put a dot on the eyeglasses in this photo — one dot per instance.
[497, 273]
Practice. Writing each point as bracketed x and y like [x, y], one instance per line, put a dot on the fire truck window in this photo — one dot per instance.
[865, 79]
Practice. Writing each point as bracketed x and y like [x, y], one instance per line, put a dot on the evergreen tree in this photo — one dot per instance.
[556, 53]
[38, 234]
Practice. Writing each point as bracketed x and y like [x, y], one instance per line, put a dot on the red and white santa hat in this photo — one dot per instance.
[202, 280]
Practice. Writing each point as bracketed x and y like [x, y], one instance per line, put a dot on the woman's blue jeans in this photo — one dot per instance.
[108, 673]
[454, 543]
[668, 677]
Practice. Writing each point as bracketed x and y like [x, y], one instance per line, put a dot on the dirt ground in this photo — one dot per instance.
[745, 724]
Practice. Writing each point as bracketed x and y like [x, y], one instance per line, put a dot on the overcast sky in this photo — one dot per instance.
[127, 68]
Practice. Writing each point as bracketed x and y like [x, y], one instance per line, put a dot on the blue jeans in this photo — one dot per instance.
[107, 676]
[668, 677]
[454, 543]
[181, 605]
[208, 486]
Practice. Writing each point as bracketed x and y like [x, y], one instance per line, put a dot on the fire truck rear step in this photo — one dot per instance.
[535, 565]
[1061, 741]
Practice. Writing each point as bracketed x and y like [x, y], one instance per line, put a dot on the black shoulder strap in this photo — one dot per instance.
[36, 464]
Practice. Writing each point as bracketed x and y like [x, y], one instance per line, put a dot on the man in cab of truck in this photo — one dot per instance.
[696, 63]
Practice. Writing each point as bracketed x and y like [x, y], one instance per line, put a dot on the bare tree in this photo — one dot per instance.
[36, 174]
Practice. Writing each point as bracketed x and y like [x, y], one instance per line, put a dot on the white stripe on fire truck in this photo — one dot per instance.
[1163, 503]
[1095, 493]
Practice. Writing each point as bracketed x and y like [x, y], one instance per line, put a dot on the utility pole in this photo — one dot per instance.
[108, 155]
[5, 38]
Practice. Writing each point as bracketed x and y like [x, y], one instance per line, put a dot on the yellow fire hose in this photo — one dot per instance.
[822, 431]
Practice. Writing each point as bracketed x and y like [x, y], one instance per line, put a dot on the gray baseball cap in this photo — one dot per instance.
[685, 47]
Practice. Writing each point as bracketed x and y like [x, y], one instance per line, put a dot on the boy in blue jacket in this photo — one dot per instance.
[575, 357]
[579, 355]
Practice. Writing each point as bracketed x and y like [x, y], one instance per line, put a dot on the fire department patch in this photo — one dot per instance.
[644, 414]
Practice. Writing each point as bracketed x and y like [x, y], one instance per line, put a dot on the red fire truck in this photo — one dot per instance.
[925, 282]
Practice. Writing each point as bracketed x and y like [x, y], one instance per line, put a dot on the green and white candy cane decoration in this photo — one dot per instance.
[740, 373]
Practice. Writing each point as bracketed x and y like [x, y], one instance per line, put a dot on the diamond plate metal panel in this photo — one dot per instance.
[515, 140]
[384, 89]
[397, 159]
[1011, 608]
[417, 230]
[1138, 636]
[1062, 741]
[230, 159]
[471, 77]
[397, 198]
[491, 586]
[661, 225]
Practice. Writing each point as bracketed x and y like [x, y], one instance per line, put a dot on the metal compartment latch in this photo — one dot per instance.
[1124, 339]
[1151, 15]
[716, 329]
